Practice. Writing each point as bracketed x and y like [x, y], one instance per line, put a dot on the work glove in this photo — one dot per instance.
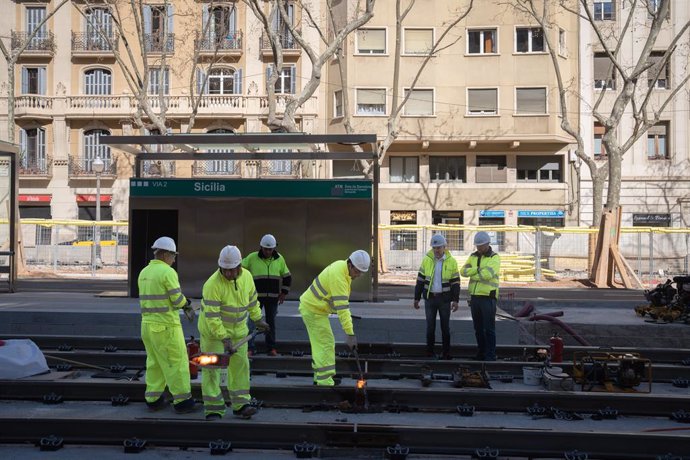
[262, 326]
[351, 341]
[189, 302]
[227, 344]
[281, 298]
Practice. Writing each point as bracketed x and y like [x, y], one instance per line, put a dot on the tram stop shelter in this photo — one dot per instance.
[9, 217]
[315, 221]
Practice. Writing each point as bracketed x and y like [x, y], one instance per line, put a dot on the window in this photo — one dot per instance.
[220, 24]
[530, 101]
[482, 101]
[599, 149]
[280, 167]
[403, 240]
[371, 41]
[158, 28]
[420, 103]
[447, 169]
[482, 41]
[539, 169]
[285, 84]
[491, 169]
[657, 142]
[371, 102]
[404, 169]
[529, 40]
[562, 45]
[604, 10]
[158, 77]
[604, 72]
[281, 26]
[33, 80]
[220, 80]
[93, 149]
[658, 75]
[97, 82]
[218, 167]
[34, 17]
[33, 149]
[454, 238]
[99, 27]
[338, 103]
[418, 41]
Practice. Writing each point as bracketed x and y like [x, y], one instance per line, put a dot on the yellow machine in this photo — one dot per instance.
[613, 372]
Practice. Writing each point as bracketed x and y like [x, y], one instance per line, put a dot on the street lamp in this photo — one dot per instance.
[98, 166]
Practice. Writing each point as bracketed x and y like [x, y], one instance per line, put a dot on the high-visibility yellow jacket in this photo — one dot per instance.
[271, 274]
[160, 295]
[450, 278]
[226, 304]
[330, 293]
[483, 271]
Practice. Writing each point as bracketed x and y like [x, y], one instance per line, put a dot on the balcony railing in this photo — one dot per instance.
[94, 43]
[157, 168]
[287, 41]
[157, 43]
[216, 168]
[42, 42]
[83, 167]
[35, 167]
[279, 168]
[230, 42]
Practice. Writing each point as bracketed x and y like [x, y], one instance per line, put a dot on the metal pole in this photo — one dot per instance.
[639, 254]
[537, 255]
[651, 256]
[97, 236]
[375, 255]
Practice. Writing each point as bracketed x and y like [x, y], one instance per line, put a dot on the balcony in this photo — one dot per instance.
[158, 168]
[33, 105]
[279, 168]
[230, 45]
[216, 168]
[81, 168]
[42, 44]
[287, 41]
[35, 168]
[93, 44]
[158, 43]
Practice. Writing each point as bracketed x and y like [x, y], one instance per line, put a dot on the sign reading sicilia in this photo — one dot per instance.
[256, 188]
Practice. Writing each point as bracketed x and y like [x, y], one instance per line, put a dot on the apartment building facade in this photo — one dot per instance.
[655, 189]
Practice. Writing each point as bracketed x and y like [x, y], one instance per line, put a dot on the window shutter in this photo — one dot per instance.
[25, 80]
[232, 21]
[171, 19]
[530, 100]
[602, 64]
[42, 80]
[22, 142]
[237, 82]
[201, 86]
[148, 27]
[41, 150]
[293, 79]
[269, 71]
[420, 102]
[484, 100]
[371, 39]
[418, 41]
[205, 26]
[371, 96]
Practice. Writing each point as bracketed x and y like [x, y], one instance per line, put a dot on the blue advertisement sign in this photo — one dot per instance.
[491, 213]
[555, 214]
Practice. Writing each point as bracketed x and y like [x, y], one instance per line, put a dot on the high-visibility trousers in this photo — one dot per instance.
[238, 377]
[166, 362]
[322, 346]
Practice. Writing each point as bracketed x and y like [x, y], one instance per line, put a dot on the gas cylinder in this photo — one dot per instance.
[556, 348]
[193, 349]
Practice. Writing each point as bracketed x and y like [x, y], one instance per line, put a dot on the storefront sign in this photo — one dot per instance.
[92, 198]
[652, 220]
[404, 216]
[553, 214]
[491, 213]
[35, 198]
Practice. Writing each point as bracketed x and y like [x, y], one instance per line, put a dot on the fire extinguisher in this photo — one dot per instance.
[556, 348]
[192, 349]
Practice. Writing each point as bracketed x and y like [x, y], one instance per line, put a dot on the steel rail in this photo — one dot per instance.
[433, 399]
[384, 350]
[450, 440]
[373, 367]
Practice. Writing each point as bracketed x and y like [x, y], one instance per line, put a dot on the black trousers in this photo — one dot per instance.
[435, 305]
[270, 306]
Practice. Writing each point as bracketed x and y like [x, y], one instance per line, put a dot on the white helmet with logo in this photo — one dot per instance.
[361, 260]
[268, 241]
[438, 240]
[230, 257]
[166, 244]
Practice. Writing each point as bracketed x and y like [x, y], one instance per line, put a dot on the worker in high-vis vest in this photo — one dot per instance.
[438, 281]
[482, 268]
[330, 293]
[161, 298]
[272, 279]
[229, 297]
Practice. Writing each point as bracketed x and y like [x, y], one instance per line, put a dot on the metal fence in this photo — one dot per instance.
[654, 253]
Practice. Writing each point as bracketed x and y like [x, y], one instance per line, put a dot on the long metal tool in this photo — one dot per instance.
[361, 383]
[222, 359]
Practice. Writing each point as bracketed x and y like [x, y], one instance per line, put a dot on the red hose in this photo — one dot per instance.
[526, 310]
[563, 326]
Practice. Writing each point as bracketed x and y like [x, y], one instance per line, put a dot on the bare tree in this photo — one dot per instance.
[632, 94]
[12, 55]
[317, 53]
[445, 39]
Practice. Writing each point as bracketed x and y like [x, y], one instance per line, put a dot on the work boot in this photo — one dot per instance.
[157, 405]
[245, 411]
[213, 416]
[272, 352]
[186, 406]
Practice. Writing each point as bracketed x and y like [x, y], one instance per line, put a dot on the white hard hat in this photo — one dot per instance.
[481, 238]
[361, 260]
[268, 241]
[438, 240]
[165, 243]
[230, 257]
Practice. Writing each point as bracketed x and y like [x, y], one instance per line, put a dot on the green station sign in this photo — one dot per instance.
[251, 188]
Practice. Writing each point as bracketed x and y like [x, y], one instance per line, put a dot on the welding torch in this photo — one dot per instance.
[223, 359]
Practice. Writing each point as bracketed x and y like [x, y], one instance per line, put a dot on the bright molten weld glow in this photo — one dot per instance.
[205, 360]
[361, 383]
